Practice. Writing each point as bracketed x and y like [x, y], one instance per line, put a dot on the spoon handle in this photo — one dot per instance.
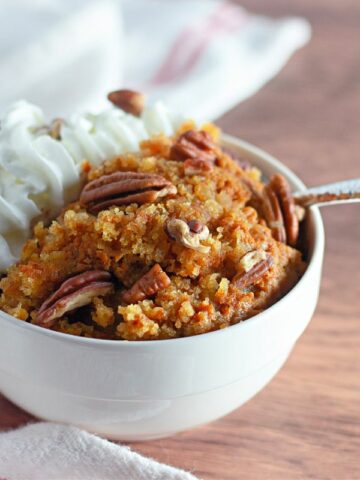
[347, 191]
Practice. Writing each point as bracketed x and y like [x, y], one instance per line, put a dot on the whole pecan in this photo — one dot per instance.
[123, 188]
[128, 100]
[148, 285]
[72, 294]
[246, 278]
[193, 144]
[282, 190]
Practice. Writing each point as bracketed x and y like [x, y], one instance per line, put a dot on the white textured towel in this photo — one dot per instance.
[210, 54]
[201, 57]
[49, 451]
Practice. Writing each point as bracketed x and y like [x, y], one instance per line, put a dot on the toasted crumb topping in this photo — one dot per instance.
[128, 240]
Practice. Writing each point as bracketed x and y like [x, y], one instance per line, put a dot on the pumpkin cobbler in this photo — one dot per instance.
[179, 239]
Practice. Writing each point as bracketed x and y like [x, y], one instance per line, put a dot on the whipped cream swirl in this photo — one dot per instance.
[40, 174]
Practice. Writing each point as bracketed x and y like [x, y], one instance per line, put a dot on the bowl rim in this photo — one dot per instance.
[317, 254]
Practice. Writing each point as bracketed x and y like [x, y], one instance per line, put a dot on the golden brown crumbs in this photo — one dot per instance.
[128, 240]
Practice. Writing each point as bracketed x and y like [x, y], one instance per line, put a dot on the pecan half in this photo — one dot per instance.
[200, 138]
[128, 100]
[183, 232]
[246, 278]
[273, 214]
[282, 190]
[123, 188]
[72, 294]
[193, 144]
[148, 285]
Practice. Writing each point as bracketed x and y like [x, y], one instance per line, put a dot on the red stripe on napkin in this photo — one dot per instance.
[192, 42]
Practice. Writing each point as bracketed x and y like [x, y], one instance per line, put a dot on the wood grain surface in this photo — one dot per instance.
[306, 423]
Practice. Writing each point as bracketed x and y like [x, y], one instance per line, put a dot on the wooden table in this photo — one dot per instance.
[306, 423]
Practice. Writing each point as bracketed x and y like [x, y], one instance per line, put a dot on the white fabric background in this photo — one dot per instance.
[66, 55]
[46, 451]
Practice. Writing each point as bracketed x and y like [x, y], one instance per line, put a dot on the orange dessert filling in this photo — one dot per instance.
[177, 240]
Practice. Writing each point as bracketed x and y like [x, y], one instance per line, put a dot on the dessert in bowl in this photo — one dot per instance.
[157, 291]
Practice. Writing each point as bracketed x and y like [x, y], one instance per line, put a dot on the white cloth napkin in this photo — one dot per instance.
[49, 451]
[210, 54]
[201, 57]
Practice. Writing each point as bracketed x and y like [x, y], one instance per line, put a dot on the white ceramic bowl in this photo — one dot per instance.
[144, 390]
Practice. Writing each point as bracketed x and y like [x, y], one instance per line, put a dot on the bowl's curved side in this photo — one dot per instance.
[137, 418]
[113, 383]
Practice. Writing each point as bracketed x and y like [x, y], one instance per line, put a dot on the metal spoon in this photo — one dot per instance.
[347, 191]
